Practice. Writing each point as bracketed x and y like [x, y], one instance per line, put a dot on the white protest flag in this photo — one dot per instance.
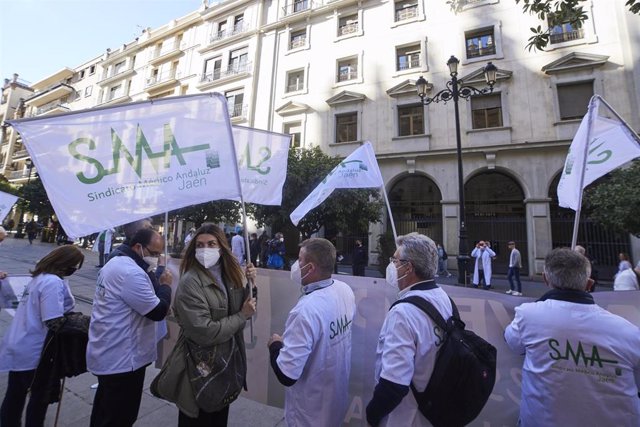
[107, 167]
[6, 203]
[359, 170]
[610, 144]
[262, 164]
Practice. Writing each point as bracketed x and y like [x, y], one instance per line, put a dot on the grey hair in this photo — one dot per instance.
[567, 269]
[421, 251]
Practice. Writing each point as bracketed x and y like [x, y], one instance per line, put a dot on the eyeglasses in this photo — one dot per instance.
[397, 260]
[153, 254]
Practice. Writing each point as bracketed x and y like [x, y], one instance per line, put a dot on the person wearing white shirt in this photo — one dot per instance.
[237, 247]
[409, 339]
[515, 264]
[482, 269]
[313, 357]
[628, 280]
[44, 303]
[581, 362]
[122, 333]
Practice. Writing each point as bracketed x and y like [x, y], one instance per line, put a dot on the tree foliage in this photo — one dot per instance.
[226, 211]
[348, 210]
[615, 201]
[35, 199]
[553, 13]
[7, 187]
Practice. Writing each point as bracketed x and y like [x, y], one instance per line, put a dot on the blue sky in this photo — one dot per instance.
[39, 37]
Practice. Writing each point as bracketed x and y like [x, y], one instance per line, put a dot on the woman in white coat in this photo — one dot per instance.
[482, 270]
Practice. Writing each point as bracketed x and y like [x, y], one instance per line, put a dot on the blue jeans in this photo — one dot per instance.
[514, 271]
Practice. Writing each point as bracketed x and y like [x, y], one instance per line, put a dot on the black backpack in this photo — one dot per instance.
[464, 373]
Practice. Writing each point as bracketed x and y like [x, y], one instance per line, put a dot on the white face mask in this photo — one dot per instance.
[152, 261]
[391, 276]
[208, 257]
[296, 273]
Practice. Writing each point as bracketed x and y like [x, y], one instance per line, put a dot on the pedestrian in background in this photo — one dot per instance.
[254, 249]
[31, 229]
[624, 263]
[44, 303]
[264, 248]
[482, 269]
[237, 247]
[277, 251]
[103, 247]
[515, 264]
[442, 262]
[628, 280]
[581, 362]
[312, 359]
[359, 259]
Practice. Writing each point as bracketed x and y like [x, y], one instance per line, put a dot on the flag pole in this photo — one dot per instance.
[386, 202]
[591, 111]
[166, 235]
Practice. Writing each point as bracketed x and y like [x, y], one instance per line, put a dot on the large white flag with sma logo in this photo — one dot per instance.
[602, 143]
[359, 170]
[106, 167]
[6, 203]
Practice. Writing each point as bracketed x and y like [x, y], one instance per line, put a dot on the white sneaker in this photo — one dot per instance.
[509, 292]
[516, 294]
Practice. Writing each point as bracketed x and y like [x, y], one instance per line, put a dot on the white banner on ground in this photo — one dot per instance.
[610, 144]
[262, 162]
[106, 167]
[6, 203]
[486, 313]
[359, 170]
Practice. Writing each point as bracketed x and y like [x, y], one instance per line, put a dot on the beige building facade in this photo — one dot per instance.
[336, 73]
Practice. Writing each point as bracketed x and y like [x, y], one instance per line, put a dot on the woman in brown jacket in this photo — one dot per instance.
[211, 306]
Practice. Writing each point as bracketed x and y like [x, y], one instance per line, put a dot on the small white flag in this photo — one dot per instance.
[262, 163]
[359, 170]
[106, 167]
[6, 203]
[611, 144]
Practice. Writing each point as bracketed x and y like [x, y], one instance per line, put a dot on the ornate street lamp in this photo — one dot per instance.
[457, 89]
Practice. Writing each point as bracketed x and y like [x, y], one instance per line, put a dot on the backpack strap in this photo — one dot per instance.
[429, 309]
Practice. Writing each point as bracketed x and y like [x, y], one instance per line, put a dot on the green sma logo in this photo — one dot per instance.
[157, 160]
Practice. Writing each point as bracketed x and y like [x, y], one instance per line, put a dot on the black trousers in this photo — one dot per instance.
[205, 419]
[117, 399]
[14, 399]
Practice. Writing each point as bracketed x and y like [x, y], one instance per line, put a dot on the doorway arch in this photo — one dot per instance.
[495, 211]
[416, 205]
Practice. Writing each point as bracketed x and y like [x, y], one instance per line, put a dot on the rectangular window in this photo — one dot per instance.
[295, 81]
[298, 39]
[406, 9]
[92, 69]
[573, 99]
[411, 120]
[238, 23]
[212, 69]
[118, 68]
[408, 57]
[222, 27]
[347, 69]
[234, 102]
[87, 91]
[295, 130]
[238, 60]
[115, 92]
[348, 25]
[486, 111]
[347, 127]
[300, 5]
[480, 43]
[82, 74]
[564, 32]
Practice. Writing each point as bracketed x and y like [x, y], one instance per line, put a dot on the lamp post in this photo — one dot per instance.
[20, 232]
[456, 89]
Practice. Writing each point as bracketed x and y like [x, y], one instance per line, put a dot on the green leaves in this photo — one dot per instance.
[347, 210]
[615, 200]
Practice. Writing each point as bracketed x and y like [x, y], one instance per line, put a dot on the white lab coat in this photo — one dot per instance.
[482, 256]
[107, 241]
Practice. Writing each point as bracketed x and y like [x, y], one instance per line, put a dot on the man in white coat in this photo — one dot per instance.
[102, 245]
[482, 270]
[237, 247]
[313, 357]
[581, 362]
